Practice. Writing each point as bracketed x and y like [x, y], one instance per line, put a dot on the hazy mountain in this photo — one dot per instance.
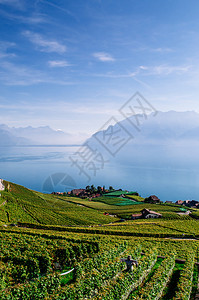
[163, 128]
[8, 139]
[160, 128]
[31, 136]
[169, 139]
[192, 134]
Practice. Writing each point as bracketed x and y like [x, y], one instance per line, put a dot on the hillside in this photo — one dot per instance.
[19, 204]
[44, 246]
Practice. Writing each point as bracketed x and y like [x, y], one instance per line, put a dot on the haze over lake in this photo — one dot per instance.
[160, 158]
[31, 167]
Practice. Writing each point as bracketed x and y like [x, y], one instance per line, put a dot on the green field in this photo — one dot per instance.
[23, 205]
[58, 234]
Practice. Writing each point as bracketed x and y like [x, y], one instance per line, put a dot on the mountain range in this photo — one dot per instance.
[12, 136]
[164, 127]
[158, 128]
[167, 139]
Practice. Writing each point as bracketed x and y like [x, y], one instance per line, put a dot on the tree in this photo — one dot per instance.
[88, 188]
[93, 189]
[99, 189]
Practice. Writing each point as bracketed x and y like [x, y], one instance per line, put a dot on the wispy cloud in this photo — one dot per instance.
[16, 3]
[132, 75]
[64, 10]
[52, 106]
[35, 18]
[4, 49]
[12, 74]
[143, 68]
[148, 70]
[103, 56]
[58, 63]
[112, 75]
[44, 44]
[164, 69]
[19, 75]
[161, 50]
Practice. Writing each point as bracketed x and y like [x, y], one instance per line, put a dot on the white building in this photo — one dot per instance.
[2, 187]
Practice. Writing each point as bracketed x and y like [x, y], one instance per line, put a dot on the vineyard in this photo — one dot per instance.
[18, 204]
[23, 205]
[31, 263]
[45, 258]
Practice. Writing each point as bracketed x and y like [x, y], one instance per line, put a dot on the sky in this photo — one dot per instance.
[73, 64]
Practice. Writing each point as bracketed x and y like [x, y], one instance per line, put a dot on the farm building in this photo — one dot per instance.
[76, 192]
[186, 202]
[193, 203]
[152, 199]
[136, 216]
[146, 214]
[179, 202]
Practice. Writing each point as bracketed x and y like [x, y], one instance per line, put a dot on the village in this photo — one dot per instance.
[91, 192]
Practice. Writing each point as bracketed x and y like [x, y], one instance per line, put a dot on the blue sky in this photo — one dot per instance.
[72, 64]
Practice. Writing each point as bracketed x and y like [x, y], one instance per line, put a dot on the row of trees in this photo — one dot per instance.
[100, 190]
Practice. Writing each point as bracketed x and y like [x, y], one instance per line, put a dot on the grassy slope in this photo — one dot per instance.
[134, 197]
[29, 206]
[109, 205]
[25, 205]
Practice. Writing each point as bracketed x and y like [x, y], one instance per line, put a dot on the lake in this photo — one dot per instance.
[48, 169]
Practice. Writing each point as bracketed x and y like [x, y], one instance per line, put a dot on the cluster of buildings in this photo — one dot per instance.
[59, 193]
[90, 193]
[188, 203]
[83, 193]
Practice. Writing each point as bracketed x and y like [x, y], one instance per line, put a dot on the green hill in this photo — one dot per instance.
[44, 257]
[19, 204]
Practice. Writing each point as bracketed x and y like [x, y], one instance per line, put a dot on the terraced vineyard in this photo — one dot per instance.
[45, 258]
[31, 267]
[23, 205]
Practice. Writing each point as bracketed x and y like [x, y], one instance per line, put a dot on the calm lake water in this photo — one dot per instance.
[47, 169]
